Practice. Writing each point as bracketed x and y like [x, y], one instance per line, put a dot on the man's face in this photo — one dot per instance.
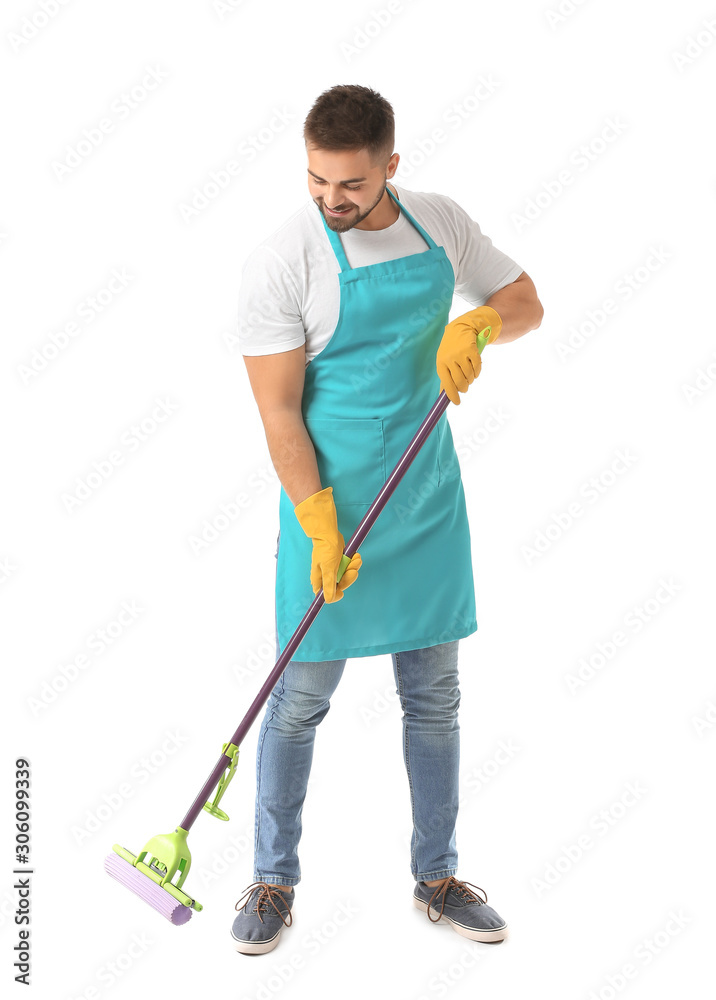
[347, 182]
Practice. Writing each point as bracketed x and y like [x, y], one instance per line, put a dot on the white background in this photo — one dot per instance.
[201, 644]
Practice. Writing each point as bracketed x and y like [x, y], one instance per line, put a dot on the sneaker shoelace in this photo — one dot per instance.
[264, 898]
[461, 888]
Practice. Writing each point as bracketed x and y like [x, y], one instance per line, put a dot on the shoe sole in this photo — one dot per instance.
[496, 934]
[257, 947]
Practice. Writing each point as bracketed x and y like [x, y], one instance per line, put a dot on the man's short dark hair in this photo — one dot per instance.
[349, 116]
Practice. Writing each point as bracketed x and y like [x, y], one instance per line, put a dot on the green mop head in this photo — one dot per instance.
[150, 874]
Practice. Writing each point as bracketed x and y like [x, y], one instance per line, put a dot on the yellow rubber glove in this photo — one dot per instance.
[458, 359]
[318, 518]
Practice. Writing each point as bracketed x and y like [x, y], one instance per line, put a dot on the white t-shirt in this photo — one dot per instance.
[289, 292]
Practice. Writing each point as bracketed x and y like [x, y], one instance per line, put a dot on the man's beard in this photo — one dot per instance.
[343, 225]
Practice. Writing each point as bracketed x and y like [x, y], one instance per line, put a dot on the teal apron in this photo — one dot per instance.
[365, 395]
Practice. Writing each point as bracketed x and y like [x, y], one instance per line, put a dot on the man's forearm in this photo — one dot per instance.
[293, 455]
[519, 308]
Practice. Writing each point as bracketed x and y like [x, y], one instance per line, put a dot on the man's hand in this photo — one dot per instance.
[458, 360]
[319, 520]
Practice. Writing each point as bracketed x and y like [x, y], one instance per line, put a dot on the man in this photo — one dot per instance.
[343, 317]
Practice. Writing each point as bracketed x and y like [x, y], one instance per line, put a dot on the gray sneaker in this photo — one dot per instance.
[462, 908]
[261, 919]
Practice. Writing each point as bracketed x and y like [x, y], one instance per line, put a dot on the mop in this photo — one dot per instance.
[158, 872]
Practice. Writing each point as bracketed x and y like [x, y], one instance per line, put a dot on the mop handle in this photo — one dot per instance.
[355, 541]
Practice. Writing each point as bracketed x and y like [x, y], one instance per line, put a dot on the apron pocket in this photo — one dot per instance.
[350, 452]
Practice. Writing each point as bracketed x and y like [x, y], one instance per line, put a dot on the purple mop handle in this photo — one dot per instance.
[357, 538]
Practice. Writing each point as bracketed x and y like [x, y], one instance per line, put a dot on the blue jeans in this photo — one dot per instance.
[427, 686]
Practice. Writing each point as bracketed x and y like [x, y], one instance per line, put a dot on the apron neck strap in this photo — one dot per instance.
[338, 245]
[428, 239]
